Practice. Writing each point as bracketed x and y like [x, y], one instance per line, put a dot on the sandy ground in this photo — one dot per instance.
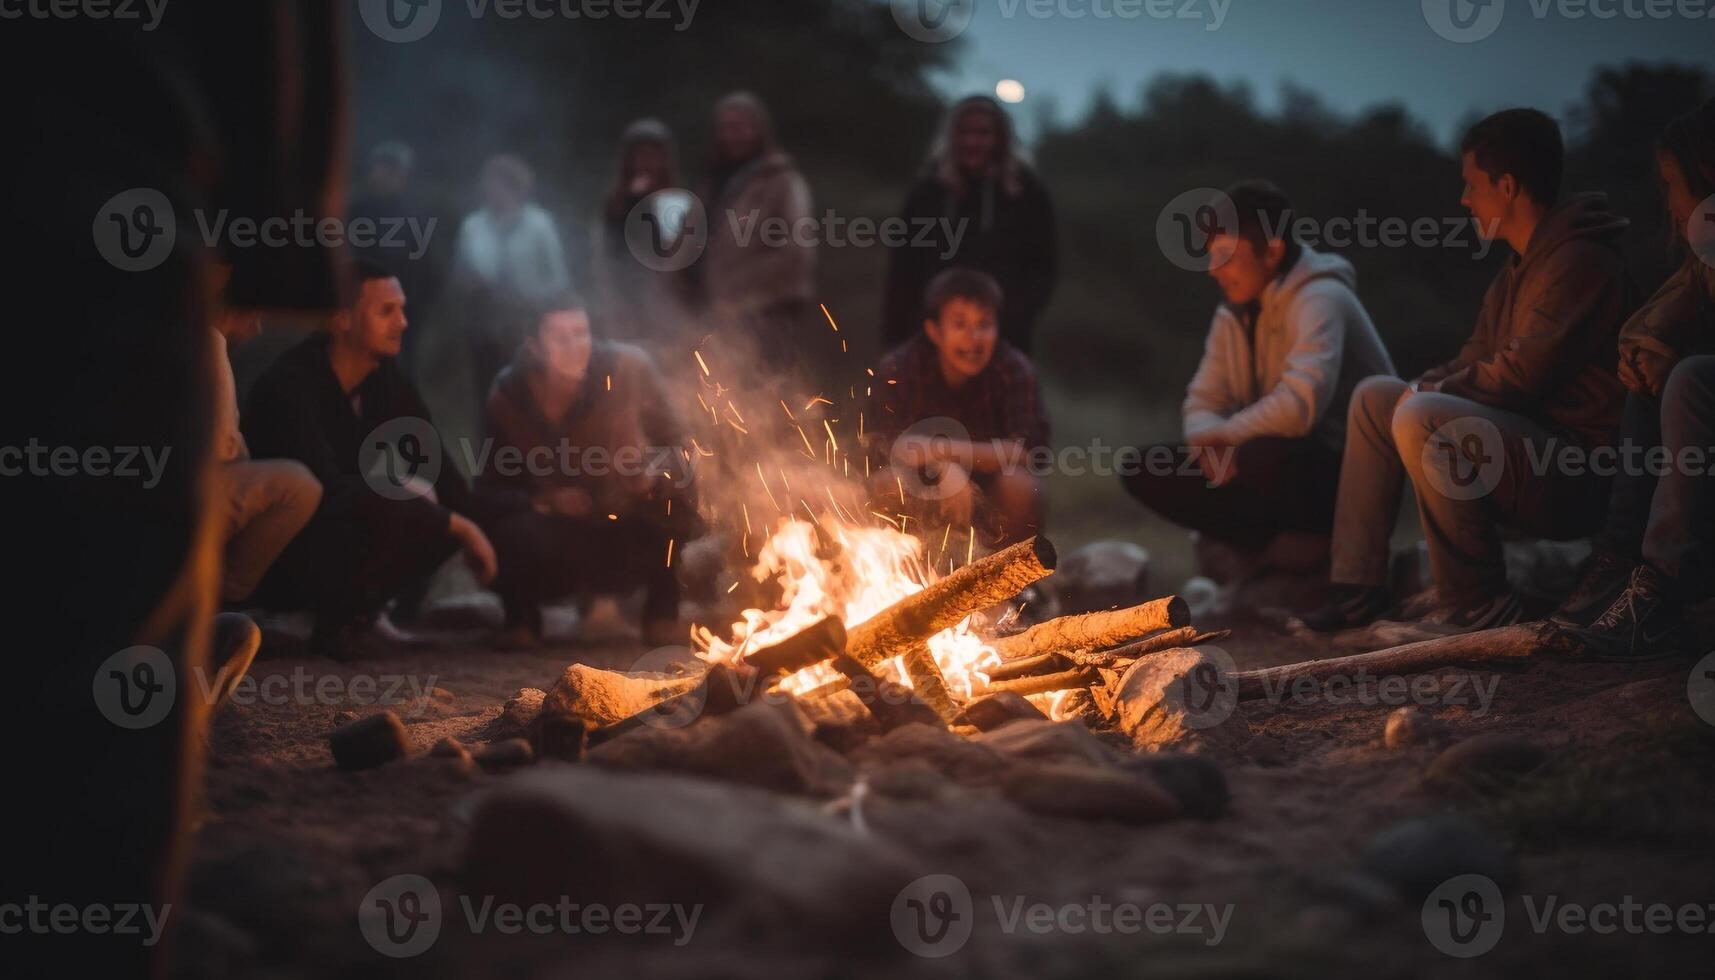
[289, 845]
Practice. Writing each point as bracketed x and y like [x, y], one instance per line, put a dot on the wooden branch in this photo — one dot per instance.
[929, 684]
[721, 691]
[1047, 663]
[1043, 683]
[1168, 640]
[892, 704]
[981, 584]
[820, 641]
[1509, 643]
[1095, 631]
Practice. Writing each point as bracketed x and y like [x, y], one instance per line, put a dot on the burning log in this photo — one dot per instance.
[892, 704]
[927, 681]
[981, 584]
[1065, 680]
[1167, 640]
[1514, 643]
[723, 690]
[822, 640]
[1096, 631]
[1046, 663]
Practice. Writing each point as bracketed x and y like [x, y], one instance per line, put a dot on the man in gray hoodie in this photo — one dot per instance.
[1483, 436]
[1265, 415]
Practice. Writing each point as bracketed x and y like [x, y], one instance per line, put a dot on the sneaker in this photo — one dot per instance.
[1647, 622]
[1506, 609]
[1353, 606]
[1604, 580]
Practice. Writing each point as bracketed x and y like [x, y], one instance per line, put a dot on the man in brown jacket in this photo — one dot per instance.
[1481, 436]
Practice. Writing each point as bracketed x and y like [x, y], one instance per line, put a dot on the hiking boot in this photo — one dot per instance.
[1647, 622]
[1506, 609]
[1604, 580]
[1353, 606]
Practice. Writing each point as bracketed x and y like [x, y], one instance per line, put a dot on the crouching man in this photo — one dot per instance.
[955, 415]
[1537, 377]
[1265, 415]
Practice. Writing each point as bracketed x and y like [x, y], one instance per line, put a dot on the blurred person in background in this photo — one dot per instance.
[408, 235]
[634, 302]
[1002, 223]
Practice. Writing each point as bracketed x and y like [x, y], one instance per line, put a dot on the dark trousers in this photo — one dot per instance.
[357, 553]
[1664, 514]
[1279, 485]
[544, 557]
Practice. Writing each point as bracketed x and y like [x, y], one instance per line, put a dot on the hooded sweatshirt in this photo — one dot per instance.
[1286, 367]
[1679, 319]
[1546, 339]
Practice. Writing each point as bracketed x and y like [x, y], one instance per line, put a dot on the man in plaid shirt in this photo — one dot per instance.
[956, 420]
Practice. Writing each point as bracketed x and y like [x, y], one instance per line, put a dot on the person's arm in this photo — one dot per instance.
[1292, 409]
[1479, 345]
[504, 428]
[1570, 310]
[1211, 395]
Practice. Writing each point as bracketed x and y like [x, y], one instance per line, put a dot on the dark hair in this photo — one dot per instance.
[1690, 141]
[961, 283]
[362, 271]
[559, 302]
[1525, 143]
[1263, 211]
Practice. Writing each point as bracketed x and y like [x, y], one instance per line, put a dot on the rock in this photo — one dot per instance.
[1196, 783]
[506, 754]
[1080, 705]
[992, 711]
[957, 760]
[1417, 855]
[1081, 792]
[909, 779]
[1486, 758]
[586, 698]
[1049, 741]
[522, 708]
[441, 694]
[753, 863]
[450, 748]
[761, 744]
[1180, 699]
[369, 742]
[1100, 575]
[1412, 725]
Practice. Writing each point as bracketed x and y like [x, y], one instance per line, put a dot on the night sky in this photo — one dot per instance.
[1352, 53]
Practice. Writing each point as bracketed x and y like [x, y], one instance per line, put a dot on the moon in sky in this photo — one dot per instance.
[1009, 90]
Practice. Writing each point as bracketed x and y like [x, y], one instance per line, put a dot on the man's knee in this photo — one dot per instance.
[1690, 388]
[298, 488]
[1418, 416]
[1374, 400]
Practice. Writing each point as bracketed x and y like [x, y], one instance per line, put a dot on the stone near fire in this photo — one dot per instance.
[992, 711]
[1082, 792]
[1417, 855]
[450, 748]
[1411, 725]
[752, 862]
[1050, 741]
[1100, 575]
[1181, 700]
[955, 759]
[586, 698]
[506, 754]
[369, 742]
[1195, 782]
[766, 745]
[1486, 759]
[522, 708]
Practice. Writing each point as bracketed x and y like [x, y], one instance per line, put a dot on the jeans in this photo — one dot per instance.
[1279, 485]
[267, 503]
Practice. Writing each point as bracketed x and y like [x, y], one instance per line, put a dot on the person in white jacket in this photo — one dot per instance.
[1265, 414]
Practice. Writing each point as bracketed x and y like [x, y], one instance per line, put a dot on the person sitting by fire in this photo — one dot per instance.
[1654, 555]
[955, 415]
[1537, 374]
[1265, 414]
[582, 435]
[394, 507]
